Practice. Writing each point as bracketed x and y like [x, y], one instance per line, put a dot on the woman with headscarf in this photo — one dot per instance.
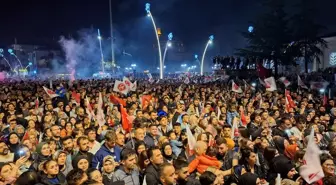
[280, 144]
[286, 169]
[60, 157]
[108, 169]
[167, 153]
[81, 162]
[248, 179]
[20, 131]
[13, 142]
[43, 153]
[290, 151]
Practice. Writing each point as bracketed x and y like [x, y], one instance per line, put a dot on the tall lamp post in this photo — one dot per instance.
[149, 14]
[211, 38]
[168, 44]
[101, 51]
[112, 39]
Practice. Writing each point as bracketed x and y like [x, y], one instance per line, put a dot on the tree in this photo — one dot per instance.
[270, 36]
[306, 33]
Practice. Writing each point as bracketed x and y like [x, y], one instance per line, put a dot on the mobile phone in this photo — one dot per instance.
[22, 153]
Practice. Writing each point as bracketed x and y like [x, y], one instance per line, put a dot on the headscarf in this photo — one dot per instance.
[248, 179]
[283, 166]
[279, 144]
[167, 157]
[290, 151]
[77, 159]
[13, 147]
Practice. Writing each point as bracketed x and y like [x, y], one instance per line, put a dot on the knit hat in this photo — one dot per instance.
[39, 147]
[290, 151]
[77, 159]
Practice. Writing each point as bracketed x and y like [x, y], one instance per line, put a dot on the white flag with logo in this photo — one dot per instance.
[311, 169]
[191, 139]
[319, 85]
[50, 93]
[89, 110]
[127, 82]
[284, 81]
[236, 88]
[120, 86]
[270, 84]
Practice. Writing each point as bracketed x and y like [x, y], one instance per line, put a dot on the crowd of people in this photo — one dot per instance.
[183, 134]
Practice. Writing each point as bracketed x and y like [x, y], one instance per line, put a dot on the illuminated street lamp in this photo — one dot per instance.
[149, 14]
[101, 50]
[211, 38]
[168, 44]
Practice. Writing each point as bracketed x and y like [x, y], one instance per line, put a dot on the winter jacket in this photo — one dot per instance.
[203, 162]
[152, 174]
[103, 152]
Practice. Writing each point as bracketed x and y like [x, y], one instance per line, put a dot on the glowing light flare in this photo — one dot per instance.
[322, 90]
[196, 56]
[250, 29]
[169, 44]
[170, 36]
[211, 38]
[254, 84]
[30, 63]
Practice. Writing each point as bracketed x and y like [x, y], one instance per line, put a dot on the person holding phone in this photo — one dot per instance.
[25, 160]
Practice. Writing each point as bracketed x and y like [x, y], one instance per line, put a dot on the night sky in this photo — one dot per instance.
[191, 21]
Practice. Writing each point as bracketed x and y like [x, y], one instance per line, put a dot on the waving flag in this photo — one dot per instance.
[191, 140]
[50, 93]
[262, 82]
[319, 85]
[117, 100]
[120, 87]
[126, 123]
[236, 88]
[311, 170]
[234, 131]
[127, 82]
[284, 81]
[76, 96]
[133, 86]
[100, 111]
[301, 84]
[145, 100]
[89, 109]
[270, 84]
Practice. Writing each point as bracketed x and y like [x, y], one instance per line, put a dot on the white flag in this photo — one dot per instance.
[50, 92]
[127, 82]
[191, 138]
[89, 110]
[319, 85]
[284, 81]
[100, 111]
[262, 82]
[270, 84]
[120, 86]
[133, 86]
[311, 169]
[236, 88]
[301, 84]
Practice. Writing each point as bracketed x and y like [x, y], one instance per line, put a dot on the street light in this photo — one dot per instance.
[133, 65]
[211, 38]
[101, 50]
[183, 65]
[168, 44]
[149, 14]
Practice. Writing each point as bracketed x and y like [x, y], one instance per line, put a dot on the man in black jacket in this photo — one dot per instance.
[152, 172]
[254, 127]
[183, 176]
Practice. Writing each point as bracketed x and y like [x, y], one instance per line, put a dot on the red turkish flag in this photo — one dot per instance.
[126, 123]
[117, 100]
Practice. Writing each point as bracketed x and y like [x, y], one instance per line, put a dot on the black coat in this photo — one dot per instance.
[60, 177]
[152, 174]
[254, 130]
